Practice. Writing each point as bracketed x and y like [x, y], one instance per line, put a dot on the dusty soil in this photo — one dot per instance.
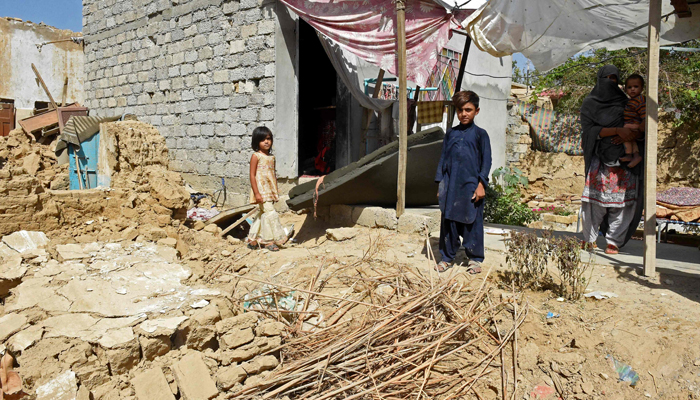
[653, 325]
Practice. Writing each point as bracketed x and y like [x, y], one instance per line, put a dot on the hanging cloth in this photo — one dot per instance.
[368, 29]
[430, 112]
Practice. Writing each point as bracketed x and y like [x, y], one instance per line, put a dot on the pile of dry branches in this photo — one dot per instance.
[431, 338]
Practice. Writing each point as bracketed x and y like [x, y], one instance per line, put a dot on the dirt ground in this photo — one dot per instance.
[653, 325]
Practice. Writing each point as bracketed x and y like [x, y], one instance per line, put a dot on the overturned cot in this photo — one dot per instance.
[372, 179]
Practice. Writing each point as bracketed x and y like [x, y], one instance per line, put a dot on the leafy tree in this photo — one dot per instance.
[679, 79]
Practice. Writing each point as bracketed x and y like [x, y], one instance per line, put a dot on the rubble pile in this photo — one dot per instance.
[144, 196]
[124, 321]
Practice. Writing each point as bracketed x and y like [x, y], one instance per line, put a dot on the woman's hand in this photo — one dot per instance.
[625, 135]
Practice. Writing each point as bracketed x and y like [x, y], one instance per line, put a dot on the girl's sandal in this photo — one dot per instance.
[612, 249]
[442, 266]
[253, 246]
[272, 247]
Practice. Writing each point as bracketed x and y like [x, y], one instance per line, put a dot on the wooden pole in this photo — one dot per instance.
[403, 104]
[43, 85]
[652, 123]
[65, 92]
[367, 114]
[415, 107]
[460, 76]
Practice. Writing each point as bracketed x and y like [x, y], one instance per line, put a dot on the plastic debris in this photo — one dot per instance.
[200, 304]
[552, 315]
[542, 392]
[269, 298]
[560, 299]
[625, 372]
[598, 295]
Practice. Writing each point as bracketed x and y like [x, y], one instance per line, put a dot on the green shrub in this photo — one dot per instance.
[503, 205]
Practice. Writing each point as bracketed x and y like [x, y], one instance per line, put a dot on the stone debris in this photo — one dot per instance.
[152, 385]
[340, 234]
[24, 241]
[193, 379]
[62, 387]
[11, 324]
[11, 273]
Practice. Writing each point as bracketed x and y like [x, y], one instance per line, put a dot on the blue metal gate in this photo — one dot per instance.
[87, 159]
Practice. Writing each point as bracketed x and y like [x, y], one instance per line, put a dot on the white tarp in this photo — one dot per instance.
[549, 32]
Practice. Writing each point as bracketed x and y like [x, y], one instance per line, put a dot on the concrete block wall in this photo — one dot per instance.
[201, 71]
[518, 140]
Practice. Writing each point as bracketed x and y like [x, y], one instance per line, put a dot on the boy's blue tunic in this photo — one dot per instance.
[465, 160]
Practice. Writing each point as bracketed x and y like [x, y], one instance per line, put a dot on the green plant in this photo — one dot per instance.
[572, 271]
[503, 205]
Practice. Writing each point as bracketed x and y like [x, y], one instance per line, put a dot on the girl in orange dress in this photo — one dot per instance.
[267, 230]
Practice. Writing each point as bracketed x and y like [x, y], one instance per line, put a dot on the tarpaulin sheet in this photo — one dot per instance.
[368, 29]
[549, 32]
[552, 132]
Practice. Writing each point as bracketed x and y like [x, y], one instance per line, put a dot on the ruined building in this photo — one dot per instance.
[57, 57]
[207, 72]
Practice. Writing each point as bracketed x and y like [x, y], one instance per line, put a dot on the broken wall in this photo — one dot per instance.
[202, 72]
[55, 62]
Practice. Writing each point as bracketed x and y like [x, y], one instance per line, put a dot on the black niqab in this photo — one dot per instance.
[604, 107]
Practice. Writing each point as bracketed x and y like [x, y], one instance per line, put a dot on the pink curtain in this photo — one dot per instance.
[367, 29]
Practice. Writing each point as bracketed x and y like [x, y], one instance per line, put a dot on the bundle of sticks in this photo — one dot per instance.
[435, 338]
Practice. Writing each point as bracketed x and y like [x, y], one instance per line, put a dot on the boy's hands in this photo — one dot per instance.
[480, 193]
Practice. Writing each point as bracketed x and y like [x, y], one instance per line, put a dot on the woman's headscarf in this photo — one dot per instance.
[604, 107]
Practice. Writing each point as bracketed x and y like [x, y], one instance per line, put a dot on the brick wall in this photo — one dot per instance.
[202, 71]
[518, 140]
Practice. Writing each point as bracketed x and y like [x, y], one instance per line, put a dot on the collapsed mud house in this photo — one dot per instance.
[57, 54]
[205, 73]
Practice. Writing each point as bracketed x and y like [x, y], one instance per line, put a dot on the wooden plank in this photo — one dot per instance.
[43, 85]
[230, 214]
[460, 76]
[651, 142]
[65, 92]
[415, 107]
[367, 113]
[36, 122]
[403, 111]
[240, 221]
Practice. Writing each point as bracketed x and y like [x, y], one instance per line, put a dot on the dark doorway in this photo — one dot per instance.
[317, 105]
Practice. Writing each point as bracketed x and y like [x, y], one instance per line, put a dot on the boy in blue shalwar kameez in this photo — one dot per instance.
[463, 174]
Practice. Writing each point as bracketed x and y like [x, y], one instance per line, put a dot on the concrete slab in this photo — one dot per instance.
[193, 379]
[152, 385]
[25, 240]
[11, 324]
[162, 326]
[63, 387]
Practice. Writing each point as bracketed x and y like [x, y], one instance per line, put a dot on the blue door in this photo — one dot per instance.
[87, 159]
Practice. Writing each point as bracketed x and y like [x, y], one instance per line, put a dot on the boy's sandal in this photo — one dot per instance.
[442, 266]
[474, 267]
[612, 249]
[272, 247]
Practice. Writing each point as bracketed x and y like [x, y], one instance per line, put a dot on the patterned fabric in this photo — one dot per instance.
[682, 196]
[366, 28]
[553, 132]
[636, 110]
[266, 227]
[610, 187]
[430, 112]
[267, 181]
